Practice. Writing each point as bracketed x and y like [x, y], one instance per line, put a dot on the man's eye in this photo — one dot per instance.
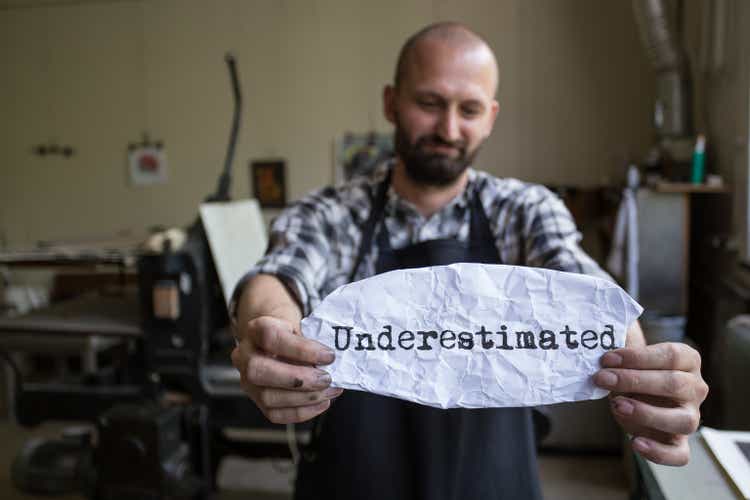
[428, 104]
[470, 112]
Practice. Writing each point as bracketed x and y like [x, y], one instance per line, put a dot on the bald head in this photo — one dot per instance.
[454, 35]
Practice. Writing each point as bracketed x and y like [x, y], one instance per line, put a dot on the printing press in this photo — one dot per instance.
[168, 406]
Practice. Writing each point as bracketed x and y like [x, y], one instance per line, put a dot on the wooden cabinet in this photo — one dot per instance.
[674, 222]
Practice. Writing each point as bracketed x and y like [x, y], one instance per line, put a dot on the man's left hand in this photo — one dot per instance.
[656, 395]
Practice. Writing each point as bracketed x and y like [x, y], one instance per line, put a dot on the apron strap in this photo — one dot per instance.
[377, 205]
[480, 232]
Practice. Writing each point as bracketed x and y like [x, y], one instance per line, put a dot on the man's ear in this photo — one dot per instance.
[389, 103]
[494, 108]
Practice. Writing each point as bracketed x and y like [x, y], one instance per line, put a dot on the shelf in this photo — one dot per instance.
[687, 187]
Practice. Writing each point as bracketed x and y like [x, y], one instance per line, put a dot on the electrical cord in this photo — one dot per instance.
[291, 441]
[17, 382]
[16, 371]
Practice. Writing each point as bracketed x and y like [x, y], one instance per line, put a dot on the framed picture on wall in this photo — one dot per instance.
[358, 154]
[269, 182]
[147, 165]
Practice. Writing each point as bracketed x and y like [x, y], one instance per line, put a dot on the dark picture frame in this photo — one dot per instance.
[269, 182]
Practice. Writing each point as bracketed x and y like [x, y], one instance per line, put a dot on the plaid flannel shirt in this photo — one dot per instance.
[314, 243]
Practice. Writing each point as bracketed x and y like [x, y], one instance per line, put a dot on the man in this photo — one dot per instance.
[427, 208]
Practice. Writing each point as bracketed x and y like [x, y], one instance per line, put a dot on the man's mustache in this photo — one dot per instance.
[436, 140]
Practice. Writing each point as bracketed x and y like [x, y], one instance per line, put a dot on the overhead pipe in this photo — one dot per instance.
[672, 109]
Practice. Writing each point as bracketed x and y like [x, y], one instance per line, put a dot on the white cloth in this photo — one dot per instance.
[623, 258]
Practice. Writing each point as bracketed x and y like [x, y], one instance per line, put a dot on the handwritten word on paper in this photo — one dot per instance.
[473, 335]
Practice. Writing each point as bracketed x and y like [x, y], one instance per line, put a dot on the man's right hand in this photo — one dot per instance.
[277, 370]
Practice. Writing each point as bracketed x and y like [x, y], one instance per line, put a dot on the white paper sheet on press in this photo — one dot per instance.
[463, 298]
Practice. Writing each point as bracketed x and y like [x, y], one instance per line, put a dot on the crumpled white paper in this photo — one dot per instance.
[504, 370]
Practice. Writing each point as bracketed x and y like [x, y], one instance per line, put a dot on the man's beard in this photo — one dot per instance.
[430, 168]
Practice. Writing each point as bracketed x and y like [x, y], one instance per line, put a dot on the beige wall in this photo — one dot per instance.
[575, 96]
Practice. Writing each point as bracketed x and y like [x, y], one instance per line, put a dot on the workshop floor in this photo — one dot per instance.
[563, 477]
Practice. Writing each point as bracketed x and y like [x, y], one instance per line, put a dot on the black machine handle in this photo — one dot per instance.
[225, 180]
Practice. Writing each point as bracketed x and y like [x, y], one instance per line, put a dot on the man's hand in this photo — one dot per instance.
[657, 391]
[277, 370]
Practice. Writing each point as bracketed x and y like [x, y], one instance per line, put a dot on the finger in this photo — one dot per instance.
[277, 337]
[664, 356]
[633, 429]
[652, 400]
[676, 453]
[675, 385]
[280, 398]
[238, 360]
[241, 355]
[675, 420]
[265, 371]
[298, 414]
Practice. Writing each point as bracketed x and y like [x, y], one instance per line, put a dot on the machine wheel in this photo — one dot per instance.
[48, 466]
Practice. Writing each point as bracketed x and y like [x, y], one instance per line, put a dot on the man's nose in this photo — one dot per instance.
[448, 126]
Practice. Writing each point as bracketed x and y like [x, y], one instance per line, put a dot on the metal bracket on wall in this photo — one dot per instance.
[52, 148]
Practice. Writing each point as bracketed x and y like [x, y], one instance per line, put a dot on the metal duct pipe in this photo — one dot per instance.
[672, 110]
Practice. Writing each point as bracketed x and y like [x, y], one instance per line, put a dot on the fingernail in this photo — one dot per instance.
[332, 392]
[323, 380]
[325, 356]
[623, 406]
[606, 378]
[641, 444]
[611, 360]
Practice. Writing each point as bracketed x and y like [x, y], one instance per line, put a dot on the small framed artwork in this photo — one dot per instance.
[269, 182]
[359, 154]
[147, 165]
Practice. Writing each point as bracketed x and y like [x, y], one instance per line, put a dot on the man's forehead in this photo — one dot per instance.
[436, 63]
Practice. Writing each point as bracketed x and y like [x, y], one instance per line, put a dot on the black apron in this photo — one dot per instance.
[368, 446]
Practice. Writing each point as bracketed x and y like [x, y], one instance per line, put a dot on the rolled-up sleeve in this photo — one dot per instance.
[298, 253]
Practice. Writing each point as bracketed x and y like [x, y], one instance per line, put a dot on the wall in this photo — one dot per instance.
[575, 96]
